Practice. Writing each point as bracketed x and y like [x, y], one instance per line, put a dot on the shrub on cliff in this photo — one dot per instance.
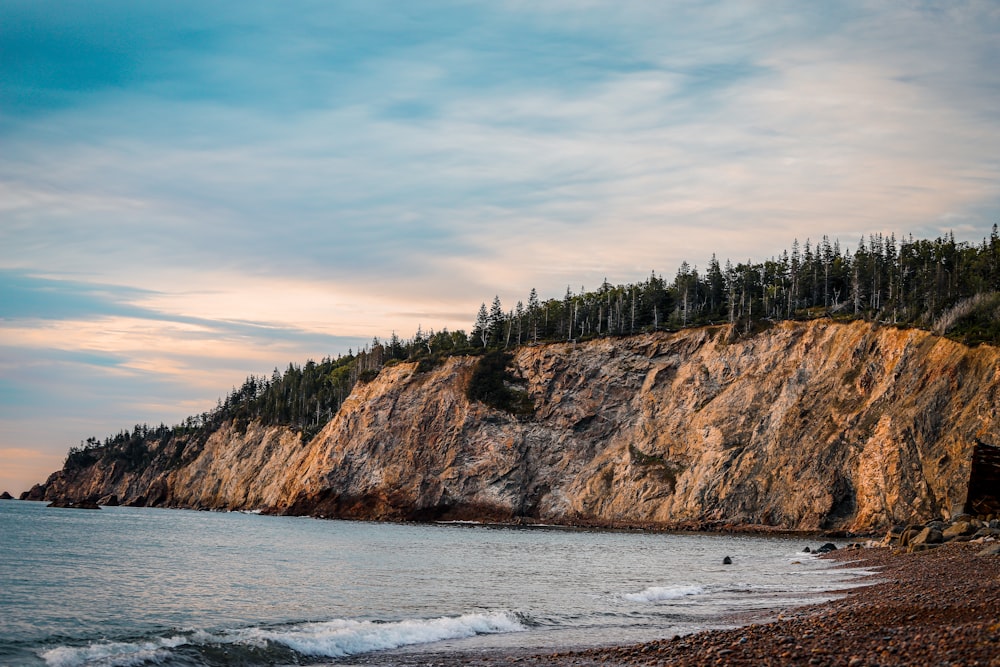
[972, 321]
[491, 384]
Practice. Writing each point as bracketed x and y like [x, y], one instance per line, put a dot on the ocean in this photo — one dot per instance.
[142, 586]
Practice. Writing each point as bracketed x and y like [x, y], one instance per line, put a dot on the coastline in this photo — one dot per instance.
[934, 607]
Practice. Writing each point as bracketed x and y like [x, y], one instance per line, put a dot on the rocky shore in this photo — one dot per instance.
[936, 606]
[927, 607]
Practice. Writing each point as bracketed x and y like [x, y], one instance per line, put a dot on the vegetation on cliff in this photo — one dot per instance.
[946, 286]
[943, 285]
[491, 383]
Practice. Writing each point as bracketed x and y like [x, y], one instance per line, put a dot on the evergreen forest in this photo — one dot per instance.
[948, 287]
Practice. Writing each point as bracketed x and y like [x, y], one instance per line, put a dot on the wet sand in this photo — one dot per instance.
[937, 607]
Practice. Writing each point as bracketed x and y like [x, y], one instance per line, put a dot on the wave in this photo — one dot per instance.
[328, 639]
[340, 638]
[661, 593]
[113, 654]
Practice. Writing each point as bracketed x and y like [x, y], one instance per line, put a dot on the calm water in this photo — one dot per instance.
[130, 586]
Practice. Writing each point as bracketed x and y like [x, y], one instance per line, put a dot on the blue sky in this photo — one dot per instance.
[191, 192]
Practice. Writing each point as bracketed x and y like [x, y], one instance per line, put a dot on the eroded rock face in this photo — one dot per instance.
[805, 426]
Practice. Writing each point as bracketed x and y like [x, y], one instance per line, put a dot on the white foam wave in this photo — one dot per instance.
[112, 654]
[339, 638]
[331, 639]
[660, 593]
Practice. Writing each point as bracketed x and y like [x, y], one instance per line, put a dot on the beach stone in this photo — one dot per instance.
[727, 561]
[929, 535]
[992, 550]
[894, 533]
[986, 532]
[908, 534]
[958, 529]
[923, 546]
[827, 548]
[807, 550]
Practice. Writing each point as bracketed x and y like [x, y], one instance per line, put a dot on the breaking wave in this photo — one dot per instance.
[661, 593]
[329, 639]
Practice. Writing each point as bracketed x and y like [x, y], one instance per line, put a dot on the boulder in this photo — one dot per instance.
[915, 548]
[6, 496]
[826, 548]
[37, 492]
[75, 504]
[908, 534]
[992, 550]
[929, 535]
[958, 529]
[727, 561]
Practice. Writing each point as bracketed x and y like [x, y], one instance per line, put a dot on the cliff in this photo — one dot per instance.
[804, 426]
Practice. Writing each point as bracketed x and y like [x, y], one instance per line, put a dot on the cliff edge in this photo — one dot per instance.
[804, 426]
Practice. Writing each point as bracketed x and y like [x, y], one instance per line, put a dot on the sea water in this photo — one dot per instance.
[141, 586]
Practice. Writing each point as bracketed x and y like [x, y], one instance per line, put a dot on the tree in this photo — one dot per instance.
[496, 321]
[533, 312]
[481, 329]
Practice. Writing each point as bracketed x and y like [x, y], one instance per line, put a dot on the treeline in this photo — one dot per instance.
[302, 397]
[942, 284]
[950, 287]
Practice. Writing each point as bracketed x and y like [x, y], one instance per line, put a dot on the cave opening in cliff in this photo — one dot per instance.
[984, 480]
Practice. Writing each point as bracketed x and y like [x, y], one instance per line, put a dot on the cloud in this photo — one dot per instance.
[190, 192]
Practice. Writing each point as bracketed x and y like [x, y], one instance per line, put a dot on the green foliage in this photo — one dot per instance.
[429, 363]
[973, 321]
[367, 376]
[80, 458]
[667, 472]
[902, 283]
[491, 383]
[951, 287]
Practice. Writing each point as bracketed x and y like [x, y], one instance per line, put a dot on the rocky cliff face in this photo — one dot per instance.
[804, 426]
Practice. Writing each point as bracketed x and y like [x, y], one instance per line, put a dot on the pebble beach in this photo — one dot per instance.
[935, 607]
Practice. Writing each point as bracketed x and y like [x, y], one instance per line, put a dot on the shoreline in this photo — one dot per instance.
[934, 607]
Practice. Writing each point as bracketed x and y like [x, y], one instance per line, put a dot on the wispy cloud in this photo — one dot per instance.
[223, 182]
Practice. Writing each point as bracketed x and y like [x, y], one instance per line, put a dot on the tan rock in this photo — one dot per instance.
[805, 426]
[958, 529]
[928, 535]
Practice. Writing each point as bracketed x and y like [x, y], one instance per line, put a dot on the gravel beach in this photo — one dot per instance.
[935, 607]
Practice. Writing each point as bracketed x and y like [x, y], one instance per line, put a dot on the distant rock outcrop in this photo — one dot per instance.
[805, 426]
[6, 496]
[75, 504]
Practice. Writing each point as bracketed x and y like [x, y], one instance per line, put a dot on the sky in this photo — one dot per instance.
[192, 192]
